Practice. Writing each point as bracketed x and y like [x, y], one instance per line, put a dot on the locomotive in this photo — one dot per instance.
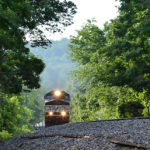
[57, 106]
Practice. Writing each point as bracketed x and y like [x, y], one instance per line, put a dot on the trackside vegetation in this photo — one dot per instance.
[112, 79]
[22, 23]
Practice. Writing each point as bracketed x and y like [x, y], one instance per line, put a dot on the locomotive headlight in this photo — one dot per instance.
[63, 113]
[50, 113]
[57, 93]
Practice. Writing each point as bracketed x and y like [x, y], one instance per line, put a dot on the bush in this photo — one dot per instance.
[130, 109]
[4, 135]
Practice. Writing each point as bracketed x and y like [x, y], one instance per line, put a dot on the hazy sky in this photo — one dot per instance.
[101, 10]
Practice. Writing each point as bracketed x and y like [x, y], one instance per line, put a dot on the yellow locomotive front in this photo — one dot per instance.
[57, 106]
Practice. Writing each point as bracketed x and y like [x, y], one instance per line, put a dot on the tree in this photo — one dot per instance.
[20, 19]
[34, 101]
[89, 40]
[131, 109]
[14, 116]
[117, 64]
[92, 99]
[127, 49]
[105, 77]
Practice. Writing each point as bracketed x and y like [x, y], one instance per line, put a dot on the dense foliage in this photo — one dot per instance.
[113, 74]
[14, 116]
[128, 48]
[23, 22]
[53, 76]
[20, 21]
[20, 113]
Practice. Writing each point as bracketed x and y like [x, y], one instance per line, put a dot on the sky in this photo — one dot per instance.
[100, 10]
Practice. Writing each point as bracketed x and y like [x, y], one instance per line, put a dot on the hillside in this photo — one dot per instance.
[58, 65]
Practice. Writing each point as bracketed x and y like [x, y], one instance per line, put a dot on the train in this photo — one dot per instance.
[57, 107]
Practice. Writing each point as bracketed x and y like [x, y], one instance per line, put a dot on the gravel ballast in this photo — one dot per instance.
[96, 135]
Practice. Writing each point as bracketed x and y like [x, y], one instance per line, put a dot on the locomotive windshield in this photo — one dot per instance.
[57, 97]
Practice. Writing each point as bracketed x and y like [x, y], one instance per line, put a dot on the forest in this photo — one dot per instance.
[21, 27]
[106, 71]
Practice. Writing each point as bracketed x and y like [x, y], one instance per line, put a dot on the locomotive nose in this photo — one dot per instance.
[57, 107]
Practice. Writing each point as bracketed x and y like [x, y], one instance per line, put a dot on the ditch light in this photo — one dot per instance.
[50, 113]
[63, 113]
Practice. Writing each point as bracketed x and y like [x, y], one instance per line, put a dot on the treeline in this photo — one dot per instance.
[21, 104]
[112, 79]
[19, 113]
